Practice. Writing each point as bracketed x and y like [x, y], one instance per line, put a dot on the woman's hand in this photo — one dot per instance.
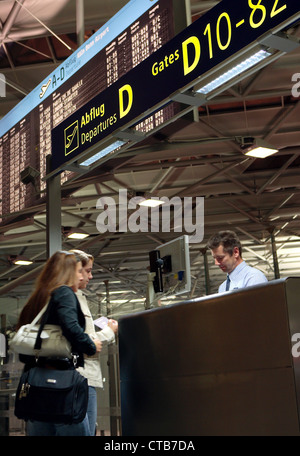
[113, 324]
[98, 344]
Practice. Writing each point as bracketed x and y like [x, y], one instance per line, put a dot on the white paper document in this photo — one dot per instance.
[101, 322]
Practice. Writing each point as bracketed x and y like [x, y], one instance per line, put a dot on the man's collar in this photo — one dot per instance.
[237, 270]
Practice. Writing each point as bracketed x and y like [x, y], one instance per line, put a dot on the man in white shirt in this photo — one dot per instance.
[226, 250]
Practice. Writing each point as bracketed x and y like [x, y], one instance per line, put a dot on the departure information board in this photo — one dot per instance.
[224, 44]
[138, 30]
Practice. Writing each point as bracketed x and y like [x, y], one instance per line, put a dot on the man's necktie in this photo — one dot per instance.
[227, 283]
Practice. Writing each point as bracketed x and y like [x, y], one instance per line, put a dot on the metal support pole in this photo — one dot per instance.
[114, 389]
[113, 376]
[80, 21]
[274, 252]
[53, 211]
[108, 309]
[206, 271]
[3, 347]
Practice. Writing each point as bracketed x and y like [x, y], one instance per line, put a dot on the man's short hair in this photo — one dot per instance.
[228, 239]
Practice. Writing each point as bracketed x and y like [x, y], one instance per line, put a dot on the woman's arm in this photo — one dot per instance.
[67, 306]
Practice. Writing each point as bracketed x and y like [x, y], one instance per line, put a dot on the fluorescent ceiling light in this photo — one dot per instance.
[235, 71]
[260, 149]
[78, 236]
[151, 202]
[23, 262]
[20, 260]
[145, 199]
[261, 152]
[102, 153]
[76, 233]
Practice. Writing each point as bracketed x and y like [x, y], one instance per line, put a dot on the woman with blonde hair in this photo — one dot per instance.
[57, 284]
[92, 368]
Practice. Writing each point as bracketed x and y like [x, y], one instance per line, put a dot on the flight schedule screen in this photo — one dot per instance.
[97, 64]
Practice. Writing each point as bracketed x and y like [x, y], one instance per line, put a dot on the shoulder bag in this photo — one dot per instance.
[41, 339]
[47, 394]
[52, 396]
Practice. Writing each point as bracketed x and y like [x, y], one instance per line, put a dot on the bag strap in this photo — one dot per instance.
[38, 317]
[43, 313]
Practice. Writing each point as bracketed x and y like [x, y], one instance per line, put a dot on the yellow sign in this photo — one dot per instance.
[213, 41]
[71, 137]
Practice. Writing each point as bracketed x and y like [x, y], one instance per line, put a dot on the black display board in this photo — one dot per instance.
[134, 33]
[220, 34]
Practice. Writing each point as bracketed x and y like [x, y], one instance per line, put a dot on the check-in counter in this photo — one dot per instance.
[226, 364]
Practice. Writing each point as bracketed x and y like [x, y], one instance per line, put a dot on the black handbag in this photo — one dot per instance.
[52, 396]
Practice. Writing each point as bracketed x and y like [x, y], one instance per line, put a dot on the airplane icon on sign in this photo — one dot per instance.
[71, 137]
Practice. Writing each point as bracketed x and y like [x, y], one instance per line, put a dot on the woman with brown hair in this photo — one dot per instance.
[57, 284]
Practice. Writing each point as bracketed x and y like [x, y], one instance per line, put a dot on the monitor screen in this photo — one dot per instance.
[170, 266]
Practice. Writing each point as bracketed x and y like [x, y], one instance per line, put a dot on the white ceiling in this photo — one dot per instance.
[189, 158]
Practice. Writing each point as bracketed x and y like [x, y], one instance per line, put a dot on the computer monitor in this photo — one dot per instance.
[170, 268]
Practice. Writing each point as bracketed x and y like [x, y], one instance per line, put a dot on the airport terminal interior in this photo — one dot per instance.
[190, 150]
